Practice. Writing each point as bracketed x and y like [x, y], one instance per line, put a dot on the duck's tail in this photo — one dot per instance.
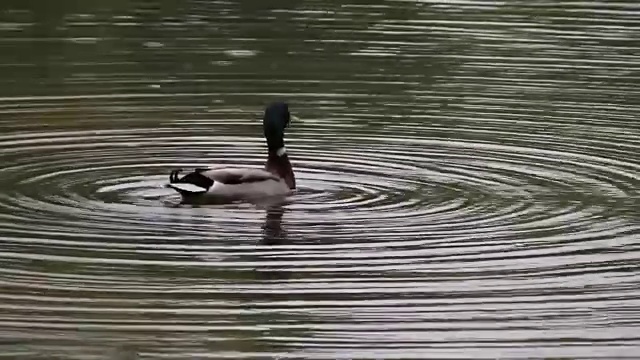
[183, 185]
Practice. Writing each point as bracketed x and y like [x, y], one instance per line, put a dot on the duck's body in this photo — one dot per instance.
[236, 183]
[228, 184]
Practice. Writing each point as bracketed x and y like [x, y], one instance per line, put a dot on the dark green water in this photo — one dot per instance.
[468, 180]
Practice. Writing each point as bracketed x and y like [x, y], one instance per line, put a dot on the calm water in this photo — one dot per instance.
[468, 175]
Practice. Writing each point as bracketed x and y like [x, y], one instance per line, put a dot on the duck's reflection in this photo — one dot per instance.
[272, 231]
[273, 234]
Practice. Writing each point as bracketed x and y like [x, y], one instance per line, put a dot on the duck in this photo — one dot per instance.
[222, 183]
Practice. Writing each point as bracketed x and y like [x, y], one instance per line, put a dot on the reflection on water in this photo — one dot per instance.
[274, 234]
[468, 180]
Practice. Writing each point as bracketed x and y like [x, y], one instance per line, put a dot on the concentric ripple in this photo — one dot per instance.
[468, 182]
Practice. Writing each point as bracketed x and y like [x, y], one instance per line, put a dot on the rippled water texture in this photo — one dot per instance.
[468, 180]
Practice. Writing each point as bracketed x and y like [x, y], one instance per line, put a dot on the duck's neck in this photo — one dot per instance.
[278, 164]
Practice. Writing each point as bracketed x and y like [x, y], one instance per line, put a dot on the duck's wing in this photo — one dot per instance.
[236, 176]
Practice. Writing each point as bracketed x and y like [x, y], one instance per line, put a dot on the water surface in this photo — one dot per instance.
[468, 180]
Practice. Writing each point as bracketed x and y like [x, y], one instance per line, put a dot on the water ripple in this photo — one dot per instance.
[468, 181]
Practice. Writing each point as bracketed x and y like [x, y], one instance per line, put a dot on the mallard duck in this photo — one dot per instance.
[236, 183]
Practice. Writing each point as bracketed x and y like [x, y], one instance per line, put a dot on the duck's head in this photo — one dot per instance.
[276, 119]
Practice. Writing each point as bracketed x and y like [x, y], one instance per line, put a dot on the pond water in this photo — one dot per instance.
[468, 178]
